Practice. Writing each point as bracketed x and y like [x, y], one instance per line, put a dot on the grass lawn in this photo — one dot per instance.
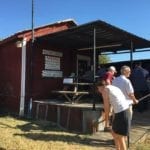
[142, 146]
[19, 134]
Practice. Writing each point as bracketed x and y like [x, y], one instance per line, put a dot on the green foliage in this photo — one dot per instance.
[104, 59]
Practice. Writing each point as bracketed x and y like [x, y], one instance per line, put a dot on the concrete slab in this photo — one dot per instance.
[139, 132]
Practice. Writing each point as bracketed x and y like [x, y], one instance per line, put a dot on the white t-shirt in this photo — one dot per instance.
[125, 85]
[117, 99]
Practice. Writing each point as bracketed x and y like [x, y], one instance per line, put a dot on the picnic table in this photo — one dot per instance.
[75, 94]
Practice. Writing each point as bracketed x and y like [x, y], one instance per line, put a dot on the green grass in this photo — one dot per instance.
[19, 134]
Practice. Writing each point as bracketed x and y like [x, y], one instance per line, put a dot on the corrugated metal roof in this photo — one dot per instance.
[108, 37]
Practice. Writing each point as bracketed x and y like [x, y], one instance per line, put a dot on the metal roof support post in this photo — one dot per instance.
[94, 65]
[94, 54]
[131, 55]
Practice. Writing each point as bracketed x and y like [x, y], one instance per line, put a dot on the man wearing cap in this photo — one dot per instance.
[109, 75]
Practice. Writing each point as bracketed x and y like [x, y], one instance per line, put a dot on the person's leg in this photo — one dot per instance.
[120, 129]
[122, 142]
[115, 137]
[130, 112]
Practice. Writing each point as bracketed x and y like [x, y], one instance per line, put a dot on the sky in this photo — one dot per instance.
[130, 15]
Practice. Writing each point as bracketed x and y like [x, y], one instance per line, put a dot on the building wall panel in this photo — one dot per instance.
[10, 77]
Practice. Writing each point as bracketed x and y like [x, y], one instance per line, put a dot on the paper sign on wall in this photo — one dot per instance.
[52, 62]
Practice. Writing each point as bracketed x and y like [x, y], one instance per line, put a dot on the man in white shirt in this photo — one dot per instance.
[126, 87]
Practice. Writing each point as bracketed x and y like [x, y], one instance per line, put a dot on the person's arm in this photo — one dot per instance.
[106, 107]
[132, 96]
[130, 91]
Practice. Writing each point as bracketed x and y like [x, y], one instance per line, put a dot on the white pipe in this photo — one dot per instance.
[23, 77]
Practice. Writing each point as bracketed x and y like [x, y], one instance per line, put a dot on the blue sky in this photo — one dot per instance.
[130, 15]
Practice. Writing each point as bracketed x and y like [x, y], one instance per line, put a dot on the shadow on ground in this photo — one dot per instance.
[2, 148]
[68, 138]
[141, 119]
[31, 131]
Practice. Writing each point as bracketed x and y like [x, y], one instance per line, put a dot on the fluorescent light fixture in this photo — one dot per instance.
[99, 47]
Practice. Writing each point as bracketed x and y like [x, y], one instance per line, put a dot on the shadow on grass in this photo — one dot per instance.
[68, 138]
[29, 124]
[47, 131]
[2, 148]
[38, 125]
[45, 127]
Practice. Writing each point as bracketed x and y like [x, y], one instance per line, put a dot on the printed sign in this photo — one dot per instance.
[48, 73]
[52, 53]
[52, 63]
[52, 60]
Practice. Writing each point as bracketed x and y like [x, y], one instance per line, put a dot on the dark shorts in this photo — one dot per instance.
[120, 123]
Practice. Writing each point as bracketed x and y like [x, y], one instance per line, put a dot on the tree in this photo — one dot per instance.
[103, 59]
